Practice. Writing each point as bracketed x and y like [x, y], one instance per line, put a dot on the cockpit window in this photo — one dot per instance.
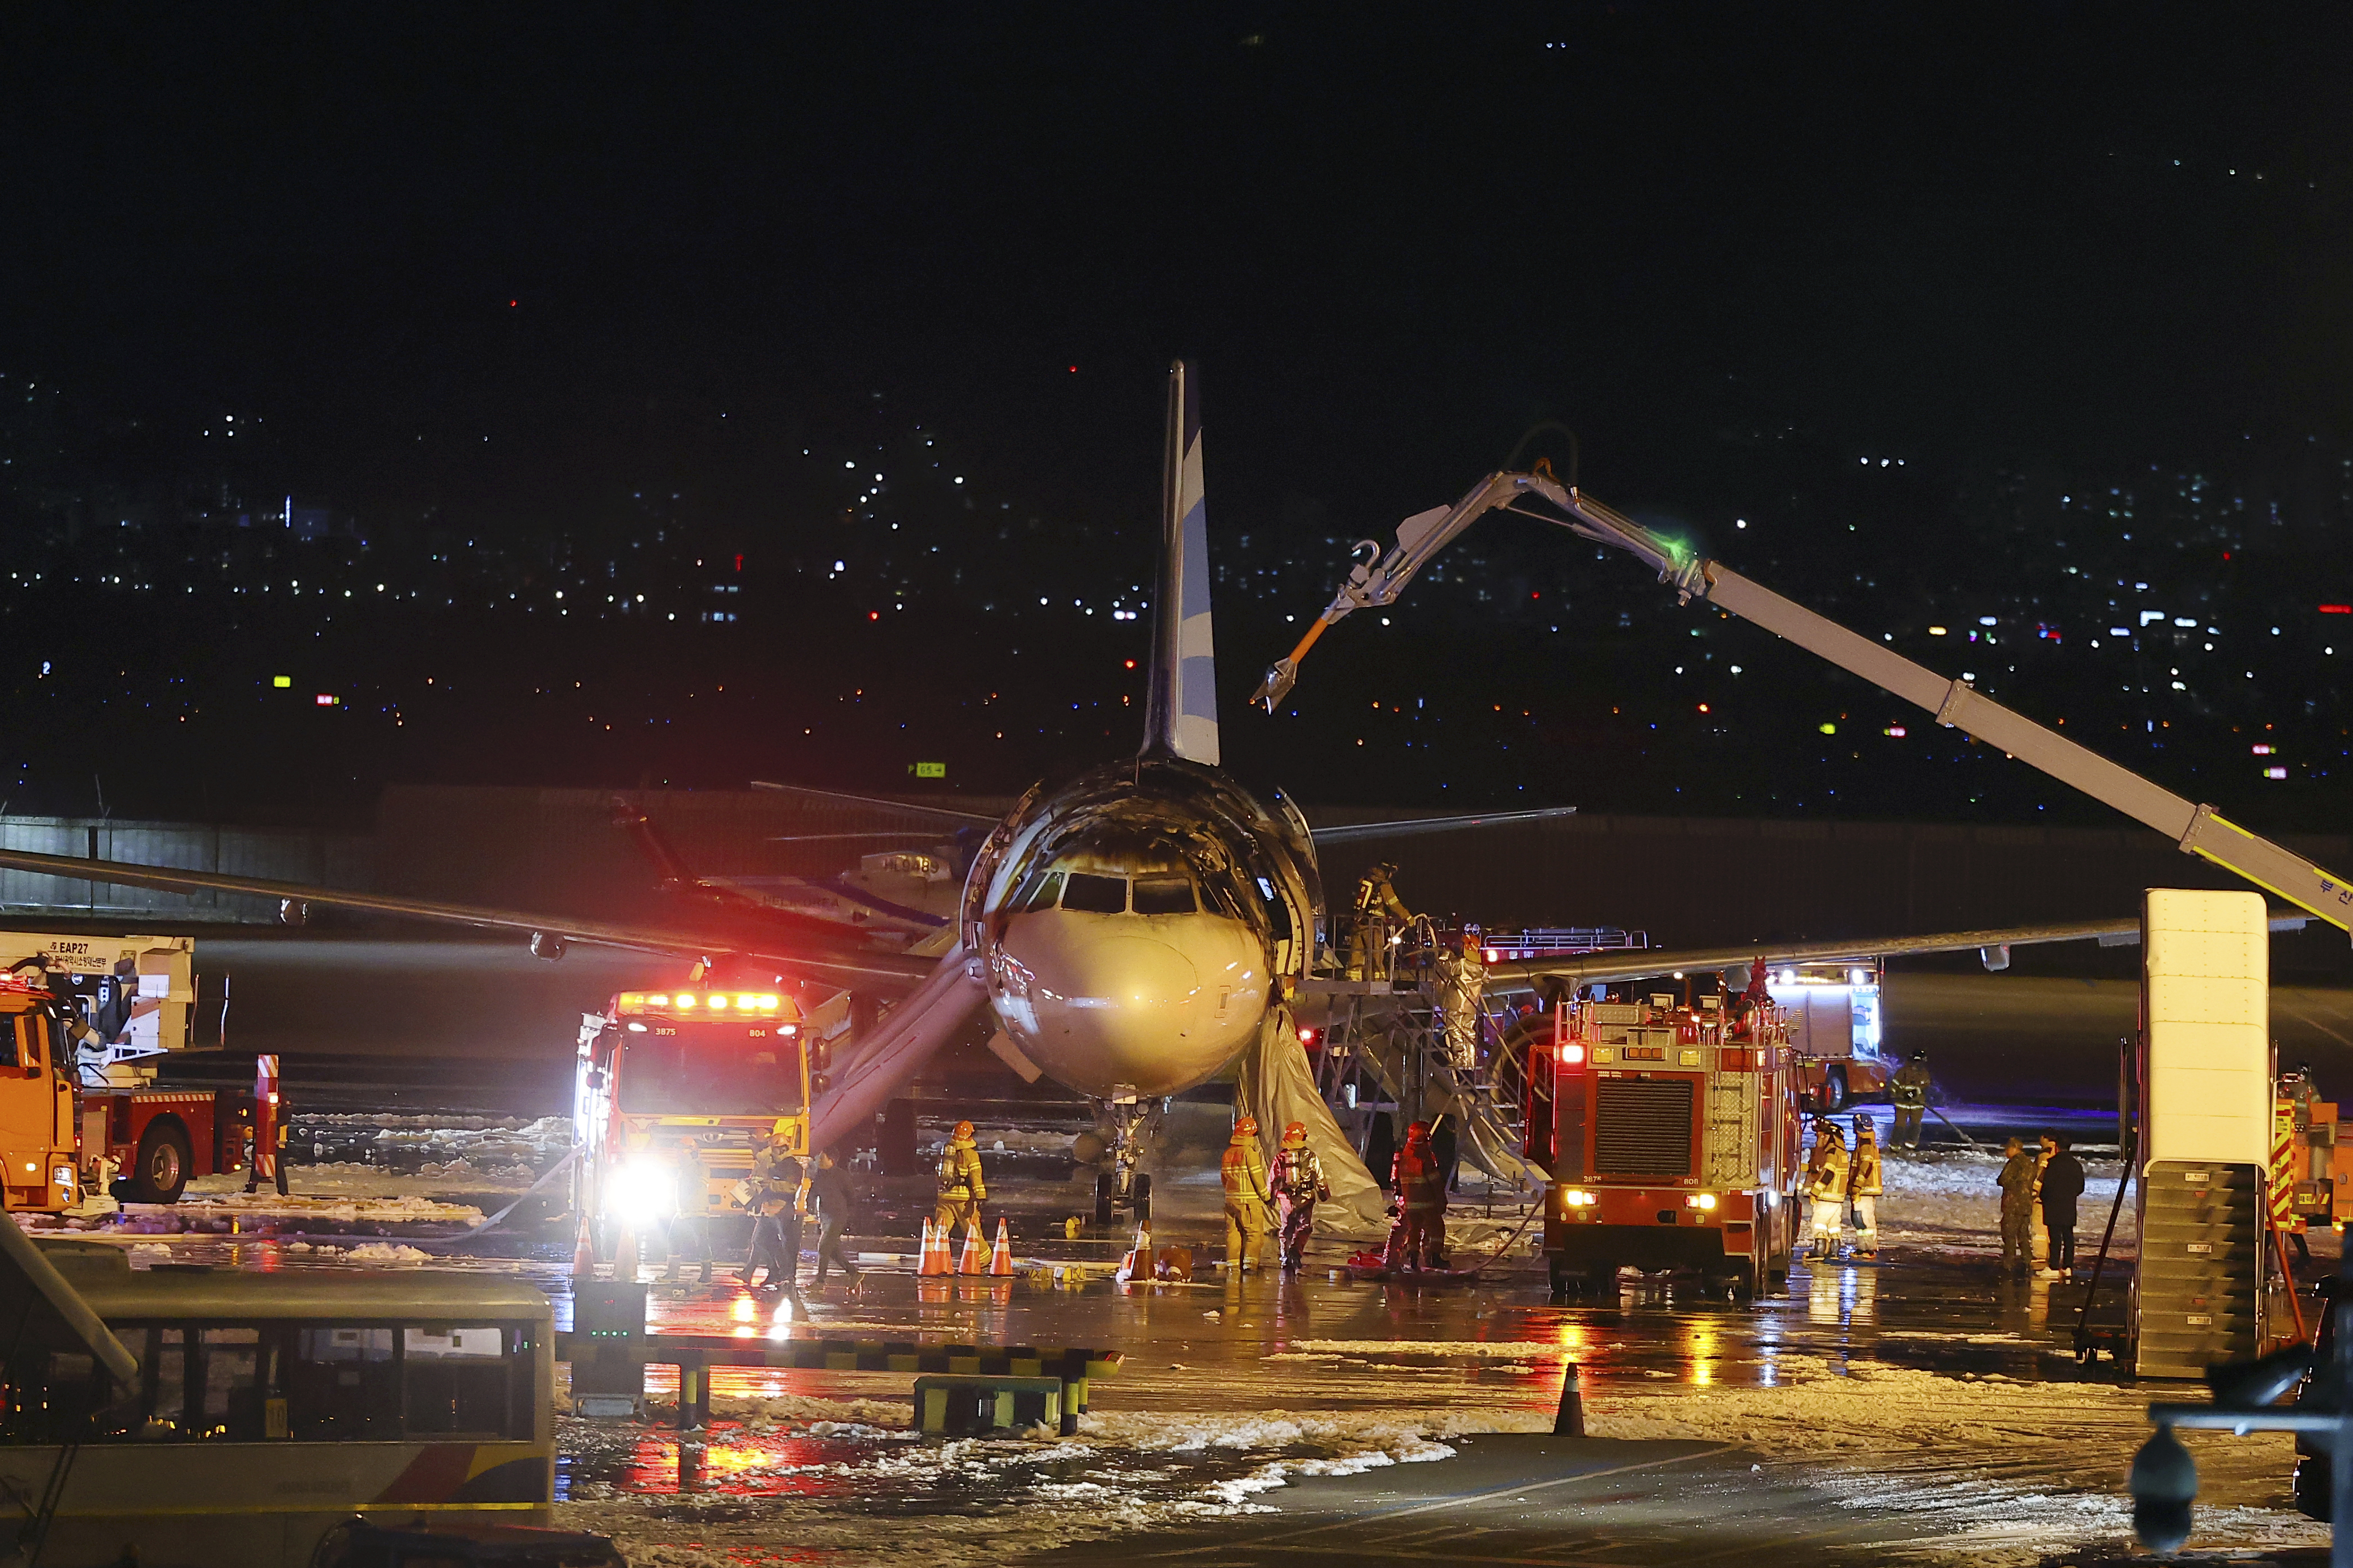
[1095, 895]
[1038, 893]
[1164, 896]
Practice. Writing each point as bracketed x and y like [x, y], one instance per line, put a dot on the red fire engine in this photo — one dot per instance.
[54, 1131]
[1672, 1136]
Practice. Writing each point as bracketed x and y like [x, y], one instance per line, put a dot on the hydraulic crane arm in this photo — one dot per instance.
[2198, 829]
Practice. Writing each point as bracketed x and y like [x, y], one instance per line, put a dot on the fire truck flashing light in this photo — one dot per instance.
[677, 1004]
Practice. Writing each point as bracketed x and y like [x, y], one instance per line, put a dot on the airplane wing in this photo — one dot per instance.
[1641, 963]
[1411, 826]
[875, 802]
[884, 973]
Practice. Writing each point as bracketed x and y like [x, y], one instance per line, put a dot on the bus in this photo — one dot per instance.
[271, 1407]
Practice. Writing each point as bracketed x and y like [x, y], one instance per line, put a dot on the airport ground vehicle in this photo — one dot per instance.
[2307, 1132]
[63, 1126]
[674, 1092]
[270, 1408]
[1671, 1136]
[1832, 1011]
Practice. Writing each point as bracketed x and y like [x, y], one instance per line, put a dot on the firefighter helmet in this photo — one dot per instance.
[964, 1132]
[1865, 1127]
[1418, 1134]
[1245, 1127]
[1295, 1135]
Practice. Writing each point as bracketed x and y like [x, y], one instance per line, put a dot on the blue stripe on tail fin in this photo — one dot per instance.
[1181, 716]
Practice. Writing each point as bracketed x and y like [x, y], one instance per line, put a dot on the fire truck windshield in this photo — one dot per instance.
[710, 1070]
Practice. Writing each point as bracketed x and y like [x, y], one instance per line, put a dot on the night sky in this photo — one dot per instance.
[507, 270]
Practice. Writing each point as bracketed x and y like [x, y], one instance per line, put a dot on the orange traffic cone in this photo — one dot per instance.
[1000, 1258]
[973, 1260]
[584, 1254]
[935, 1250]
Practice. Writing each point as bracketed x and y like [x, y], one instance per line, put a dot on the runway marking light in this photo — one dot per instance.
[1578, 1200]
[1571, 1054]
[1700, 1201]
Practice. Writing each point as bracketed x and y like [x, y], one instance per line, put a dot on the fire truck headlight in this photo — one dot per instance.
[1577, 1200]
[1572, 1055]
[1700, 1201]
[640, 1193]
[63, 1176]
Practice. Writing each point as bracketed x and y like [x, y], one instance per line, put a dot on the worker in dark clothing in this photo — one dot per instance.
[2062, 1183]
[2016, 1181]
[830, 1189]
[1418, 1240]
[1909, 1090]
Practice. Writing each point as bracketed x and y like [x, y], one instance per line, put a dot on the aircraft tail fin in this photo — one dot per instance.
[1180, 714]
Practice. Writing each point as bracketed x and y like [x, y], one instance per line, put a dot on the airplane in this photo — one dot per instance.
[1134, 932]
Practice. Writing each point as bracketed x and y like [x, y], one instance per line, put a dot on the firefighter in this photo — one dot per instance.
[830, 1186]
[1418, 1240]
[1378, 910]
[1863, 1187]
[1462, 982]
[1295, 1187]
[1757, 995]
[775, 1205]
[2020, 1171]
[962, 1188]
[1909, 1090]
[1826, 1171]
[1248, 1219]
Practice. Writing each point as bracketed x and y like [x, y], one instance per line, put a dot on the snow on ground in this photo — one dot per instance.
[194, 1211]
[1950, 1198]
[985, 1499]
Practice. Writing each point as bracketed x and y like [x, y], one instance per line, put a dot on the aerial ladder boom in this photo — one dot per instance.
[1378, 579]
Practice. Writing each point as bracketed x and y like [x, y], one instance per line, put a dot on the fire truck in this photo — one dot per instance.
[674, 1092]
[2306, 1190]
[1672, 1137]
[1832, 1010]
[83, 1021]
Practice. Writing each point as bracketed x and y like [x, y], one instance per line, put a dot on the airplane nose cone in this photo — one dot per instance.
[1103, 1010]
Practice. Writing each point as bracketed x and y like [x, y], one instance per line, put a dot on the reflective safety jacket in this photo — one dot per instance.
[960, 1171]
[775, 1181]
[1418, 1185]
[1909, 1088]
[1298, 1178]
[1862, 1175]
[1827, 1177]
[1243, 1170]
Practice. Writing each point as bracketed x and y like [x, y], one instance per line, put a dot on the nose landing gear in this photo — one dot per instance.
[1125, 1127]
